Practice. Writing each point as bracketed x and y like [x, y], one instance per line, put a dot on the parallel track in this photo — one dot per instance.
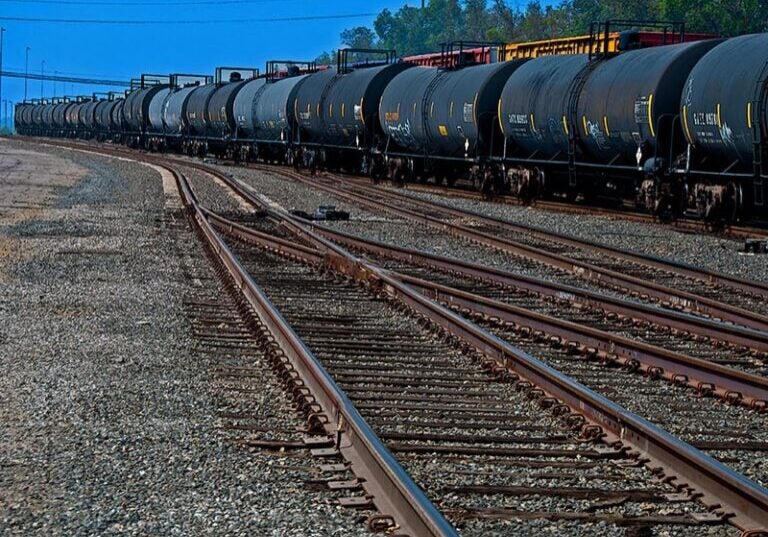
[686, 225]
[474, 408]
[592, 267]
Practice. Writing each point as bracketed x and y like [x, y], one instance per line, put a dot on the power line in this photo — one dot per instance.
[71, 73]
[120, 4]
[201, 21]
[70, 79]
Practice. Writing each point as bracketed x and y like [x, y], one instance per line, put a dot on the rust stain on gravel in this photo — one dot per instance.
[28, 184]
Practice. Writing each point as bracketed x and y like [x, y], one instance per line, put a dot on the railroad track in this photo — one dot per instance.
[695, 290]
[524, 374]
[686, 225]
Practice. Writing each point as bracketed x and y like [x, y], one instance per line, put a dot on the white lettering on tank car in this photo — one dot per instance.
[517, 119]
[707, 119]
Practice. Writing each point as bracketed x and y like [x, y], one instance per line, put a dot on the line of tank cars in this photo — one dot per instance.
[683, 123]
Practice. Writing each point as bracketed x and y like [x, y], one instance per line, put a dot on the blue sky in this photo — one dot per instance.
[124, 51]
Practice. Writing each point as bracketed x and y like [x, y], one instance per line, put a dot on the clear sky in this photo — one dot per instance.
[122, 51]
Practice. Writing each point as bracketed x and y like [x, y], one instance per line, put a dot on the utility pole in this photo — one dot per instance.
[42, 77]
[26, 72]
[2, 31]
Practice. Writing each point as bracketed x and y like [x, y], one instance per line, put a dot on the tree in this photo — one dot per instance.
[727, 18]
[412, 30]
[506, 20]
[477, 21]
[359, 37]
[326, 58]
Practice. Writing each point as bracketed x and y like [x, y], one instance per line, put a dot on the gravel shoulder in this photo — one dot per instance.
[110, 409]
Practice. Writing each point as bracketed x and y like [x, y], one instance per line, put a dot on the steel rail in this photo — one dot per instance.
[701, 375]
[726, 332]
[722, 331]
[726, 492]
[642, 288]
[725, 382]
[393, 491]
[683, 225]
[683, 322]
[676, 267]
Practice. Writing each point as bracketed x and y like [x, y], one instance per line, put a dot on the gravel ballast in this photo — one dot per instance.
[716, 253]
[109, 422]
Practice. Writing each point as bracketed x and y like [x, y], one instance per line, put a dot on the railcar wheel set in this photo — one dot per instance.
[679, 127]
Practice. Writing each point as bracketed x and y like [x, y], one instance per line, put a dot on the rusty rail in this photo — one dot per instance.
[727, 492]
[722, 331]
[684, 299]
[676, 267]
[726, 382]
[685, 225]
[393, 491]
[733, 334]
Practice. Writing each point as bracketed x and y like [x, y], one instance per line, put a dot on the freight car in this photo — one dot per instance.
[135, 113]
[181, 86]
[678, 122]
[264, 111]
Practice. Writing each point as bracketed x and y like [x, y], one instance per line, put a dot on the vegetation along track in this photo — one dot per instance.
[673, 284]
[551, 394]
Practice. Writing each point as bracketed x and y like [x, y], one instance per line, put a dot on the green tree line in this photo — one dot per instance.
[413, 30]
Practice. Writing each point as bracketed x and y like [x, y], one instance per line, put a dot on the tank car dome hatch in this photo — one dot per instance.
[720, 113]
[629, 101]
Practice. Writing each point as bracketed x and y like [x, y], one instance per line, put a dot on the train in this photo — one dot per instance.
[676, 122]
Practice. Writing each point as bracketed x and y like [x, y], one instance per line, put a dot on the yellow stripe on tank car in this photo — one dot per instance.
[330, 110]
[719, 119]
[605, 124]
[343, 110]
[565, 126]
[685, 124]
[584, 124]
[650, 114]
[432, 109]
[533, 123]
[474, 109]
[749, 116]
[362, 114]
[450, 111]
[498, 114]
